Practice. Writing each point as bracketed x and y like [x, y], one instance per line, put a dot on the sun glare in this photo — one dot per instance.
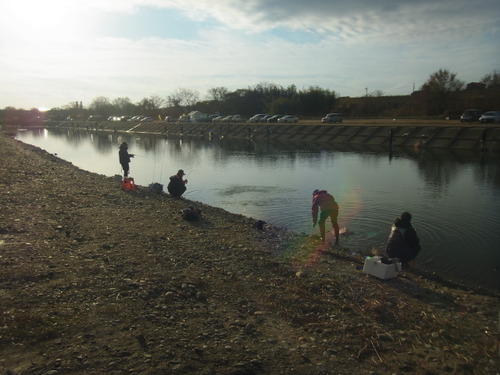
[35, 20]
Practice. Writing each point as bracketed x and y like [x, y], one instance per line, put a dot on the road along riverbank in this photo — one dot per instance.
[94, 279]
[428, 134]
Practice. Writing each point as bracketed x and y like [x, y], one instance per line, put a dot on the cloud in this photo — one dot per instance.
[80, 49]
[345, 18]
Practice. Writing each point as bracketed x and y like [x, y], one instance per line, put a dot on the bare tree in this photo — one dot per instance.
[101, 106]
[439, 90]
[217, 93]
[174, 99]
[492, 79]
[123, 105]
[183, 97]
[156, 101]
[151, 105]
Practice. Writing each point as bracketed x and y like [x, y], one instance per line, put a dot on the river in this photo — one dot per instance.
[454, 196]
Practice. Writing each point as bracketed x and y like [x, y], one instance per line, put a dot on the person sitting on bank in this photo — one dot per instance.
[329, 209]
[125, 158]
[177, 186]
[403, 242]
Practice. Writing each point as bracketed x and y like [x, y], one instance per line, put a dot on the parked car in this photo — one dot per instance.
[228, 118]
[274, 118]
[217, 118]
[490, 116]
[257, 117]
[288, 118]
[94, 118]
[147, 119]
[237, 118]
[264, 118]
[471, 115]
[332, 117]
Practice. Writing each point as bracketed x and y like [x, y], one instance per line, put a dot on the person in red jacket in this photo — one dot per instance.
[329, 209]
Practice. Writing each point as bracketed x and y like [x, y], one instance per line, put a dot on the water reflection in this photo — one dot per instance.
[453, 195]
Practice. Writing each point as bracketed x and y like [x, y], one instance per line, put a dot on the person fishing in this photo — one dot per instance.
[177, 185]
[125, 158]
[403, 242]
[329, 209]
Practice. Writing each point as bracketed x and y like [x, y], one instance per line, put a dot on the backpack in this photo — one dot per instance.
[156, 188]
[191, 214]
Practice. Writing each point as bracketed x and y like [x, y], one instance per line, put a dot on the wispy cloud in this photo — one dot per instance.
[59, 51]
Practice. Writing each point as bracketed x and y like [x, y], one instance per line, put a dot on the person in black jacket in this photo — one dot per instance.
[177, 186]
[403, 242]
[125, 158]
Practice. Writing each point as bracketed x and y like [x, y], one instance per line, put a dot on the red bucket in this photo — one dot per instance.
[128, 184]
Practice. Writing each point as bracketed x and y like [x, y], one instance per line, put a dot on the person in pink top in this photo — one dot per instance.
[324, 202]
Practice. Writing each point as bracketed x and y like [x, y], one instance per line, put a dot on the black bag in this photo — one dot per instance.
[191, 214]
[156, 187]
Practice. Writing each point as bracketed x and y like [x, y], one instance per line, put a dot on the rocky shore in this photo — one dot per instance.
[97, 280]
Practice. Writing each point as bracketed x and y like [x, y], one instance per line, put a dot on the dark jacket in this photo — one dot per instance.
[176, 186]
[124, 156]
[403, 242]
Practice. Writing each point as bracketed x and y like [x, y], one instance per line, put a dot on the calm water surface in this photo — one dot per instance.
[454, 197]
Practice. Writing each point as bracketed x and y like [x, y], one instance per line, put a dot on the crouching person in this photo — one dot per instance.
[403, 242]
[177, 186]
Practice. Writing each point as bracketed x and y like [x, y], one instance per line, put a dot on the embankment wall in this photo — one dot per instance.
[473, 136]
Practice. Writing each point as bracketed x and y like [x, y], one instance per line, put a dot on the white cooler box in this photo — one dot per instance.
[373, 266]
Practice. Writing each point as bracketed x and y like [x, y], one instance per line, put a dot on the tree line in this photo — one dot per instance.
[442, 95]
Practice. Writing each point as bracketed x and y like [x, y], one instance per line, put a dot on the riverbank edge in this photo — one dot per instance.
[357, 258]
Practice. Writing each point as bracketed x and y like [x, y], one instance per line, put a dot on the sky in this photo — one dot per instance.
[57, 52]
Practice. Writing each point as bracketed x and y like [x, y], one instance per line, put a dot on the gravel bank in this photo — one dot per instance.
[97, 280]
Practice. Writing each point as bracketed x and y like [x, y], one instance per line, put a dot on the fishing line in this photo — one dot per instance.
[163, 160]
[193, 168]
[154, 169]
[162, 155]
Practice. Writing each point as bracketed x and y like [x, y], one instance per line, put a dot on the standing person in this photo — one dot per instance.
[483, 139]
[125, 158]
[329, 208]
[177, 186]
[391, 137]
[403, 242]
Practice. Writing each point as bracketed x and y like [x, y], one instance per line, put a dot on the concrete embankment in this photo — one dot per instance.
[469, 137]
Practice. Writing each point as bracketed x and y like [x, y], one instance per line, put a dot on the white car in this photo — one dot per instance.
[332, 117]
[257, 117]
[288, 118]
[490, 116]
[264, 118]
